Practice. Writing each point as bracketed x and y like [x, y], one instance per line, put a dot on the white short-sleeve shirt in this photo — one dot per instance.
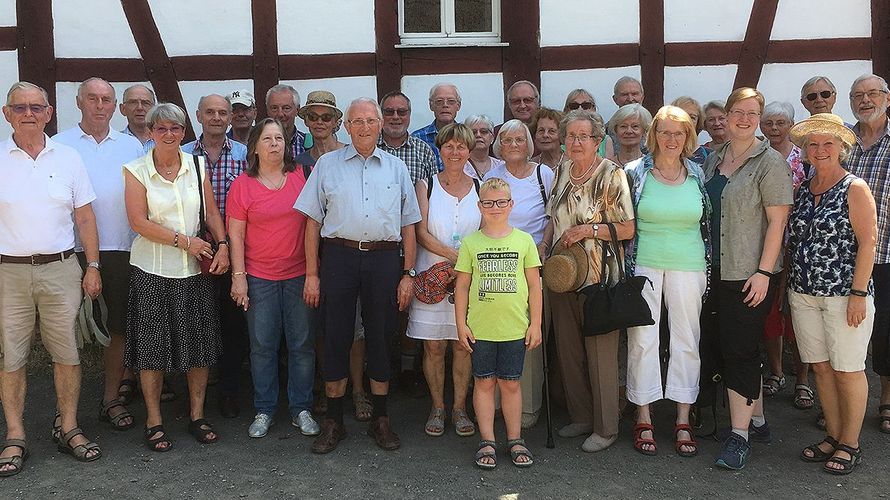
[529, 211]
[38, 197]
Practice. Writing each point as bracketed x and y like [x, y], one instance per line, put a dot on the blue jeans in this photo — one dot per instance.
[276, 308]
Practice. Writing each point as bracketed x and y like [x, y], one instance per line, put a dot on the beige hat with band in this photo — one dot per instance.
[821, 123]
[567, 269]
[320, 98]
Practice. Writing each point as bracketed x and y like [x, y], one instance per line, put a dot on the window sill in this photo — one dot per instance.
[449, 44]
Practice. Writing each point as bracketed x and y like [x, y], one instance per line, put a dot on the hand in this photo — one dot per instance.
[757, 286]
[575, 234]
[532, 337]
[451, 255]
[220, 262]
[92, 283]
[465, 337]
[198, 248]
[855, 310]
[239, 291]
[405, 292]
[312, 291]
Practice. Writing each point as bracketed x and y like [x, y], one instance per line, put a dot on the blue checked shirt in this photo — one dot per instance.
[428, 135]
[417, 155]
[873, 166]
[232, 162]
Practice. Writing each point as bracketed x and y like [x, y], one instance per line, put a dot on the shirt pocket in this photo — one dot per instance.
[388, 198]
[59, 189]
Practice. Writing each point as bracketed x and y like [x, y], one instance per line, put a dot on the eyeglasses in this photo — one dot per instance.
[664, 134]
[481, 131]
[583, 105]
[361, 122]
[502, 203]
[825, 94]
[442, 102]
[523, 100]
[394, 111]
[570, 139]
[313, 117]
[872, 94]
[136, 102]
[711, 120]
[510, 141]
[175, 129]
[738, 114]
[21, 109]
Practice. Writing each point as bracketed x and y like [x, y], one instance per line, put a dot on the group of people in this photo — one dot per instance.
[259, 240]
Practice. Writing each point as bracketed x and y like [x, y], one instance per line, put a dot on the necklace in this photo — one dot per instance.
[679, 173]
[276, 186]
[583, 174]
[736, 158]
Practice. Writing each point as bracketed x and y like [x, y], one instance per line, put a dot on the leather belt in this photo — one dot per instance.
[36, 260]
[364, 246]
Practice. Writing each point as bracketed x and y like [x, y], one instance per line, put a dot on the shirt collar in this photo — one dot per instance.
[184, 161]
[351, 153]
[199, 144]
[48, 145]
[112, 134]
[758, 150]
[856, 128]
[382, 143]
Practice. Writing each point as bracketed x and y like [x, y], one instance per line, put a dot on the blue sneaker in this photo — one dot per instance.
[735, 453]
[760, 434]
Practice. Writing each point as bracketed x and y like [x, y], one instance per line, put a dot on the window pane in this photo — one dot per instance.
[472, 15]
[423, 16]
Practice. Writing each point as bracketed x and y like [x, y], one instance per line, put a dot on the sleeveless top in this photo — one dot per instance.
[821, 241]
[449, 220]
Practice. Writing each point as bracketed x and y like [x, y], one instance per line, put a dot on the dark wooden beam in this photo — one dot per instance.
[757, 40]
[9, 38]
[452, 60]
[520, 27]
[828, 49]
[572, 57]
[880, 38]
[36, 50]
[191, 68]
[113, 70]
[265, 50]
[301, 67]
[158, 66]
[388, 59]
[701, 53]
[652, 55]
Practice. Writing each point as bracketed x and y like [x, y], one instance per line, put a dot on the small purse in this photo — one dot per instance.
[616, 307]
[205, 262]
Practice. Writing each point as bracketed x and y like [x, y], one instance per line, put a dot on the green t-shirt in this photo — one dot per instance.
[669, 226]
[498, 303]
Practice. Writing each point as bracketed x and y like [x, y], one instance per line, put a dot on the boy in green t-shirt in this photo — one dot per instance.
[498, 302]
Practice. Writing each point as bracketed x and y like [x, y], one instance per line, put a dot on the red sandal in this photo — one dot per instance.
[639, 441]
[680, 443]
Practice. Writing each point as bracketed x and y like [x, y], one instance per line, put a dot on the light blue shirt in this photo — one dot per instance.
[360, 199]
[145, 147]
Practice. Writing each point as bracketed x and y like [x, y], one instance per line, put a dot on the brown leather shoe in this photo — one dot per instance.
[383, 435]
[331, 435]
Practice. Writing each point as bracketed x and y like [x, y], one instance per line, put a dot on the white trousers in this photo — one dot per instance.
[682, 292]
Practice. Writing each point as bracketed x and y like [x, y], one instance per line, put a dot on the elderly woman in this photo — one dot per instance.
[589, 191]
[629, 125]
[582, 99]
[750, 188]
[545, 130]
[833, 230]
[694, 110]
[449, 213]
[530, 185]
[818, 95]
[268, 273]
[172, 319]
[479, 162]
[672, 249]
[715, 124]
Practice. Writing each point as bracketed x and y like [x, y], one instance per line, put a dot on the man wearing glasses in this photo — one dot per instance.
[523, 99]
[818, 95]
[444, 103]
[138, 99]
[420, 157]
[361, 207]
[870, 160]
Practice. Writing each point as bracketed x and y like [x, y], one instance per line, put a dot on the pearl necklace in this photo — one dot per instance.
[583, 175]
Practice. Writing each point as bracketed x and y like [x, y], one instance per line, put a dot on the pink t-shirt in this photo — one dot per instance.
[273, 241]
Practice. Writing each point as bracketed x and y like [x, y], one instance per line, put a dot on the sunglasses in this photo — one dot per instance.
[312, 117]
[393, 111]
[586, 105]
[825, 94]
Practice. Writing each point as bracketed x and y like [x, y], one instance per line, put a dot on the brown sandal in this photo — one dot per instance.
[115, 420]
[363, 408]
[17, 461]
[463, 426]
[79, 452]
[680, 443]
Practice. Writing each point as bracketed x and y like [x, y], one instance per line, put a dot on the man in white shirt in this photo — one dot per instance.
[104, 151]
[44, 193]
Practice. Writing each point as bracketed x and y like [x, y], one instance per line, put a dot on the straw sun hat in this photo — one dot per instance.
[567, 269]
[320, 98]
[822, 123]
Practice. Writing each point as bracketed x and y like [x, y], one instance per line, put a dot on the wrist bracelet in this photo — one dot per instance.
[176, 239]
[858, 293]
[188, 243]
[765, 273]
[239, 273]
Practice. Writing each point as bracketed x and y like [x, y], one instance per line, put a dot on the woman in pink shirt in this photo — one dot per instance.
[268, 274]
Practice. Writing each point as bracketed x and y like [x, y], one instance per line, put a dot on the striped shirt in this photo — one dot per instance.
[232, 161]
[873, 166]
[420, 158]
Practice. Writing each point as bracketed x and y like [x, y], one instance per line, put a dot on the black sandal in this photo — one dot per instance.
[520, 453]
[167, 392]
[126, 391]
[152, 443]
[847, 464]
[818, 454]
[493, 454]
[105, 415]
[17, 461]
[884, 419]
[200, 429]
[81, 451]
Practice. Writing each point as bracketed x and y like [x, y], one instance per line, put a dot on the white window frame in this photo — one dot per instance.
[448, 35]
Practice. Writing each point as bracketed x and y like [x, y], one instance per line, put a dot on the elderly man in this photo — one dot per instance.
[138, 99]
[44, 193]
[225, 159]
[627, 90]
[818, 95]
[870, 160]
[444, 103]
[283, 104]
[243, 115]
[421, 158]
[104, 151]
[524, 99]
[360, 204]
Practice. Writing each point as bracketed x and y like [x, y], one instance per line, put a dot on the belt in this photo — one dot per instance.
[364, 246]
[36, 260]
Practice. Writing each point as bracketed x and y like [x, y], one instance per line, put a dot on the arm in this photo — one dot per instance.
[863, 218]
[757, 285]
[217, 229]
[461, 302]
[311, 241]
[406, 284]
[237, 229]
[85, 220]
[535, 307]
[625, 231]
[547, 240]
[424, 237]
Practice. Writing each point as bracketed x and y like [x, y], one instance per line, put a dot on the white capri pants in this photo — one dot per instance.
[682, 292]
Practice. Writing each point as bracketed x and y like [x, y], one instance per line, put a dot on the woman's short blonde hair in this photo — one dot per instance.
[495, 184]
[742, 93]
[457, 132]
[674, 114]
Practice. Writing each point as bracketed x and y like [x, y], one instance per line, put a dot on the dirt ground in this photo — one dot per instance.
[281, 465]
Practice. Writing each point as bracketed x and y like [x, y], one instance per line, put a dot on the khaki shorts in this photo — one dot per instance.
[54, 291]
[820, 326]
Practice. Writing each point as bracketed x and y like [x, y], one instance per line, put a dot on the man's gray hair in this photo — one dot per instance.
[479, 119]
[779, 108]
[511, 126]
[83, 85]
[869, 76]
[139, 86]
[283, 87]
[165, 112]
[442, 85]
[201, 100]
[813, 81]
[524, 82]
[364, 100]
[627, 111]
[626, 79]
[25, 86]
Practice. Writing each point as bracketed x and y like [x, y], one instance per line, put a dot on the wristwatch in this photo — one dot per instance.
[596, 229]
[409, 272]
[95, 264]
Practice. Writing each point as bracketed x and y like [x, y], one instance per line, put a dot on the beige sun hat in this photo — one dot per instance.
[320, 98]
[822, 123]
[567, 269]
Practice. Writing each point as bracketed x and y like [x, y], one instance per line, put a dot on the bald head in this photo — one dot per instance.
[96, 102]
[214, 114]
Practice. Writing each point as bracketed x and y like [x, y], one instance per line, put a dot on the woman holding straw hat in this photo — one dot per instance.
[833, 233]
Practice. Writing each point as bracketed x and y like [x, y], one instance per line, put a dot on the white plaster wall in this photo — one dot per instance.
[703, 83]
[67, 114]
[706, 20]
[583, 22]
[803, 19]
[555, 86]
[481, 93]
[204, 27]
[9, 69]
[92, 28]
[325, 26]
[7, 13]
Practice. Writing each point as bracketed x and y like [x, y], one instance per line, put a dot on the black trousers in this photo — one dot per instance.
[235, 342]
[880, 334]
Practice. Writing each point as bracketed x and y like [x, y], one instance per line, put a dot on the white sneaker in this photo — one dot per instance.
[307, 425]
[260, 426]
[575, 430]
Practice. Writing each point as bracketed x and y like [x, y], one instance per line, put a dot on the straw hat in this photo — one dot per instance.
[567, 269]
[822, 123]
[320, 98]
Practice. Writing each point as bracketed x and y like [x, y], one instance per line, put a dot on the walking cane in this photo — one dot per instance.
[550, 443]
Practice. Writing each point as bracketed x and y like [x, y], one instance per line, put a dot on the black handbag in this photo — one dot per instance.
[616, 307]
